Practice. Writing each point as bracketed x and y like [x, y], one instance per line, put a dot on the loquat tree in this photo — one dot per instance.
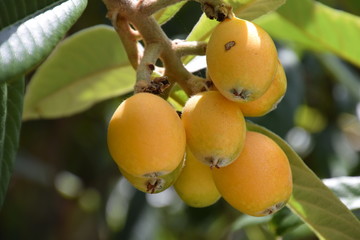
[173, 119]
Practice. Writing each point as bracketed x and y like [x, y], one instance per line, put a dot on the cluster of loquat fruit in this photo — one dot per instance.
[208, 153]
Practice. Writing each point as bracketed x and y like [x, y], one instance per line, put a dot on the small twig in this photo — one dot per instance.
[147, 65]
[185, 48]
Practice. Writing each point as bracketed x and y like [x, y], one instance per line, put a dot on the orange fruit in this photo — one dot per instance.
[259, 181]
[146, 136]
[241, 59]
[195, 185]
[270, 99]
[215, 128]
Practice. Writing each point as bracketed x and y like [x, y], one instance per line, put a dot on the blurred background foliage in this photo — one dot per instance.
[66, 186]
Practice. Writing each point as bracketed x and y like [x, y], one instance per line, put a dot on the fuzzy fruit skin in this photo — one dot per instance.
[195, 185]
[259, 182]
[267, 102]
[241, 59]
[146, 136]
[215, 128]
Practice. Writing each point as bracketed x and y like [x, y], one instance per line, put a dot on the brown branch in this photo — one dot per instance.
[127, 13]
[129, 38]
[147, 66]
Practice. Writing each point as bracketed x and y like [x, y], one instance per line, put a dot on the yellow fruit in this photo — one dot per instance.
[146, 137]
[270, 99]
[215, 128]
[195, 185]
[259, 182]
[241, 59]
[153, 183]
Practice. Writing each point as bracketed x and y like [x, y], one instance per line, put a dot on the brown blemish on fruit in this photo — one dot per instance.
[272, 209]
[222, 162]
[179, 113]
[211, 161]
[229, 45]
[150, 187]
[241, 93]
[154, 185]
[216, 162]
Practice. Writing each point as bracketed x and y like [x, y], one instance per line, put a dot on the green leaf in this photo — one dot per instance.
[252, 9]
[165, 14]
[11, 102]
[86, 68]
[312, 201]
[246, 9]
[317, 27]
[202, 30]
[30, 30]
